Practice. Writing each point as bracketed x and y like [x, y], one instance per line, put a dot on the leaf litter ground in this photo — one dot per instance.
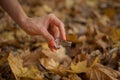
[91, 25]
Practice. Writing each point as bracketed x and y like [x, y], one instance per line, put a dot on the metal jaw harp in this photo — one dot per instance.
[59, 43]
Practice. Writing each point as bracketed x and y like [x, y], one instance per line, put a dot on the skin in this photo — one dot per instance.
[48, 26]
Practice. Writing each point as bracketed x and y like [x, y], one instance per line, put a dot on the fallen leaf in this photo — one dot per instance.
[109, 11]
[72, 38]
[74, 77]
[92, 3]
[49, 64]
[7, 37]
[80, 67]
[16, 65]
[100, 72]
[32, 58]
[58, 55]
[47, 8]
[115, 36]
[53, 66]
[38, 11]
[69, 3]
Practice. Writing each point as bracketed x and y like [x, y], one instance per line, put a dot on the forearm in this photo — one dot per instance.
[14, 9]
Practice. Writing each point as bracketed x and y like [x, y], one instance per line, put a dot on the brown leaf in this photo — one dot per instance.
[100, 72]
[72, 38]
[32, 58]
[115, 36]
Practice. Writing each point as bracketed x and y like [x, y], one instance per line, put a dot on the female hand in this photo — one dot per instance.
[48, 26]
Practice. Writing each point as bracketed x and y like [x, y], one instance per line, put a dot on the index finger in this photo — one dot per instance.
[54, 20]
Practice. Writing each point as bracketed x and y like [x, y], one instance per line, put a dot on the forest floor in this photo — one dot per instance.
[93, 27]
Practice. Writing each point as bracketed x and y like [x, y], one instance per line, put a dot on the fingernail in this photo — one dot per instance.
[51, 43]
[64, 38]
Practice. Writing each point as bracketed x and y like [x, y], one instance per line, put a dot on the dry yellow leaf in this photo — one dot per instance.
[79, 67]
[72, 38]
[47, 8]
[7, 37]
[115, 36]
[16, 65]
[53, 66]
[39, 11]
[69, 3]
[92, 3]
[49, 63]
[58, 55]
[110, 12]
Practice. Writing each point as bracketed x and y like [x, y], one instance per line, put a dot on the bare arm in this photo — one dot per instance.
[48, 26]
[14, 9]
